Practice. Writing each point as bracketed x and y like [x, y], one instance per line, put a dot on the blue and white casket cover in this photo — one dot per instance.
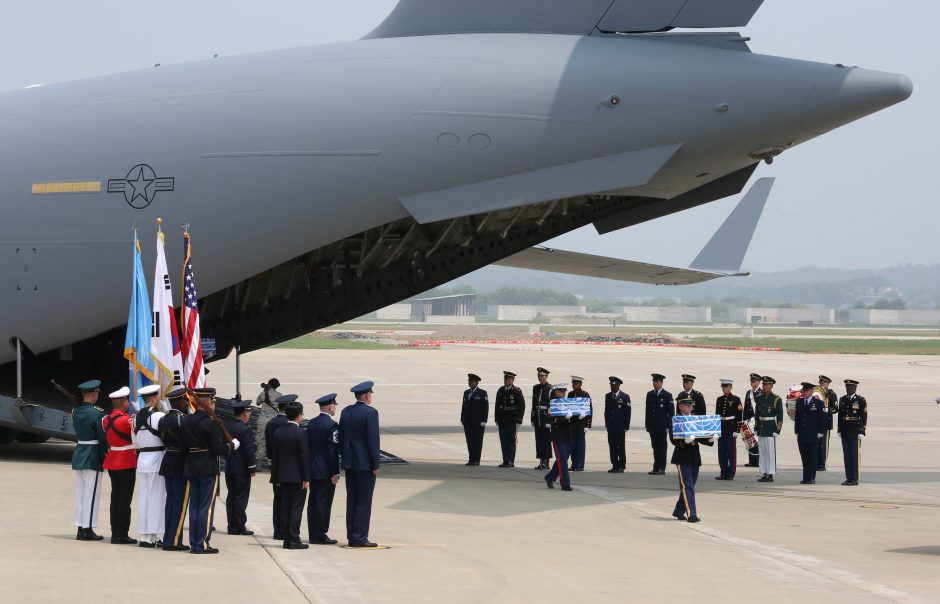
[559, 407]
[696, 426]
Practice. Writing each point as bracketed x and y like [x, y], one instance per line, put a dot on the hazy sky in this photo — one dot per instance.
[860, 194]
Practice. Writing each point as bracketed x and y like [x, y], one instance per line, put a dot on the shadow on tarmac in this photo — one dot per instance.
[53, 451]
[923, 550]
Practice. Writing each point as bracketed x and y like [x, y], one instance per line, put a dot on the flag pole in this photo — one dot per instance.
[133, 399]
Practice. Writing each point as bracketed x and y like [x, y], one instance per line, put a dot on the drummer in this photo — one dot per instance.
[688, 460]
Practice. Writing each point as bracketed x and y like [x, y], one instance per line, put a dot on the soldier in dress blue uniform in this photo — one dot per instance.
[659, 411]
[205, 444]
[541, 421]
[508, 413]
[561, 442]
[359, 448]
[832, 408]
[617, 412]
[473, 415]
[323, 438]
[853, 421]
[290, 468]
[273, 425]
[688, 459]
[579, 426]
[240, 468]
[753, 454]
[87, 457]
[698, 399]
[809, 425]
[171, 468]
[731, 410]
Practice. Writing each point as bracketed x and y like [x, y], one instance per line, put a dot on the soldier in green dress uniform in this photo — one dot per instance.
[768, 411]
[86, 460]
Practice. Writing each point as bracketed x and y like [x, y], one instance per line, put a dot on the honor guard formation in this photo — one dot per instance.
[174, 448]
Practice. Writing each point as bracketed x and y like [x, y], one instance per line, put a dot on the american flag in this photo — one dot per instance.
[193, 372]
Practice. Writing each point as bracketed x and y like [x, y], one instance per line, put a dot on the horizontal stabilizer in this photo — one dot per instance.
[726, 249]
[578, 17]
[619, 171]
[586, 265]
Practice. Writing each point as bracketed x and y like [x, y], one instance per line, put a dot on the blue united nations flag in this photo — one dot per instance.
[139, 325]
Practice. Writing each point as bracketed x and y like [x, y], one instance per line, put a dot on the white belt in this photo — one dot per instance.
[729, 417]
[124, 448]
[766, 419]
[87, 442]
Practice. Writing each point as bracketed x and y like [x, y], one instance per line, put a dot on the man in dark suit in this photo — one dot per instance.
[240, 468]
[323, 438]
[290, 468]
[273, 425]
[359, 445]
[659, 411]
[473, 415]
[617, 412]
[810, 426]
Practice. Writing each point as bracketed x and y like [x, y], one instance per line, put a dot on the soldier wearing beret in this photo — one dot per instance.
[240, 468]
[831, 404]
[809, 425]
[659, 411]
[171, 468]
[617, 412]
[205, 443]
[508, 413]
[540, 419]
[767, 426]
[473, 415]
[87, 457]
[853, 421]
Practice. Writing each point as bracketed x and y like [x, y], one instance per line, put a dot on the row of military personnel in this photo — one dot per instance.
[175, 456]
[813, 423]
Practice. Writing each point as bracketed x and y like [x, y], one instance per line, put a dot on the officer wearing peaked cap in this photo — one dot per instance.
[698, 399]
[240, 468]
[561, 442]
[809, 425]
[87, 457]
[659, 411]
[171, 468]
[730, 409]
[540, 418]
[853, 421]
[831, 404]
[768, 423]
[508, 413]
[121, 464]
[151, 497]
[617, 412]
[359, 450]
[580, 426]
[270, 429]
[688, 459]
[753, 454]
[474, 412]
[323, 439]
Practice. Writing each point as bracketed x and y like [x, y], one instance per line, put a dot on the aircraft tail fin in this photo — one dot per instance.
[725, 251]
[578, 17]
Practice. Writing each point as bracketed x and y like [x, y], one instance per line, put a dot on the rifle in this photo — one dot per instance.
[75, 402]
[211, 412]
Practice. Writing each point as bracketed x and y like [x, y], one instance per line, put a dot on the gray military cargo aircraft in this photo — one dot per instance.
[322, 183]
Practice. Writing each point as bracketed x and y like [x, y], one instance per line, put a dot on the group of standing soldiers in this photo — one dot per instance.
[564, 437]
[175, 457]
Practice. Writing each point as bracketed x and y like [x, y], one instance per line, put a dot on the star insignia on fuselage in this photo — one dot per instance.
[140, 186]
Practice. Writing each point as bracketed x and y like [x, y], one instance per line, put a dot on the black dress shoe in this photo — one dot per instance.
[123, 541]
[324, 540]
[246, 532]
[567, 488]
[719, 477]
[176, 548]
[469, 463]
[694, 519]
[612, 471]
[79, 534]
[550, 483]
[822, 469]
[657, 473]
[678, 515]
[751, 465]
[208, 550]
[510, 465]
[362, 544]
[91, 535]
[148, 544]
[296, 546]
[621, 470]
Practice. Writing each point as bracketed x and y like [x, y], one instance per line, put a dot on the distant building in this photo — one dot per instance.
[518, 312]
[783, 315]
[395, 312]
[872, 316]
[444, 309]
[665, 314]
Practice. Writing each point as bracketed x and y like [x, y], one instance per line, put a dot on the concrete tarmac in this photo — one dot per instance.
[488, 534]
